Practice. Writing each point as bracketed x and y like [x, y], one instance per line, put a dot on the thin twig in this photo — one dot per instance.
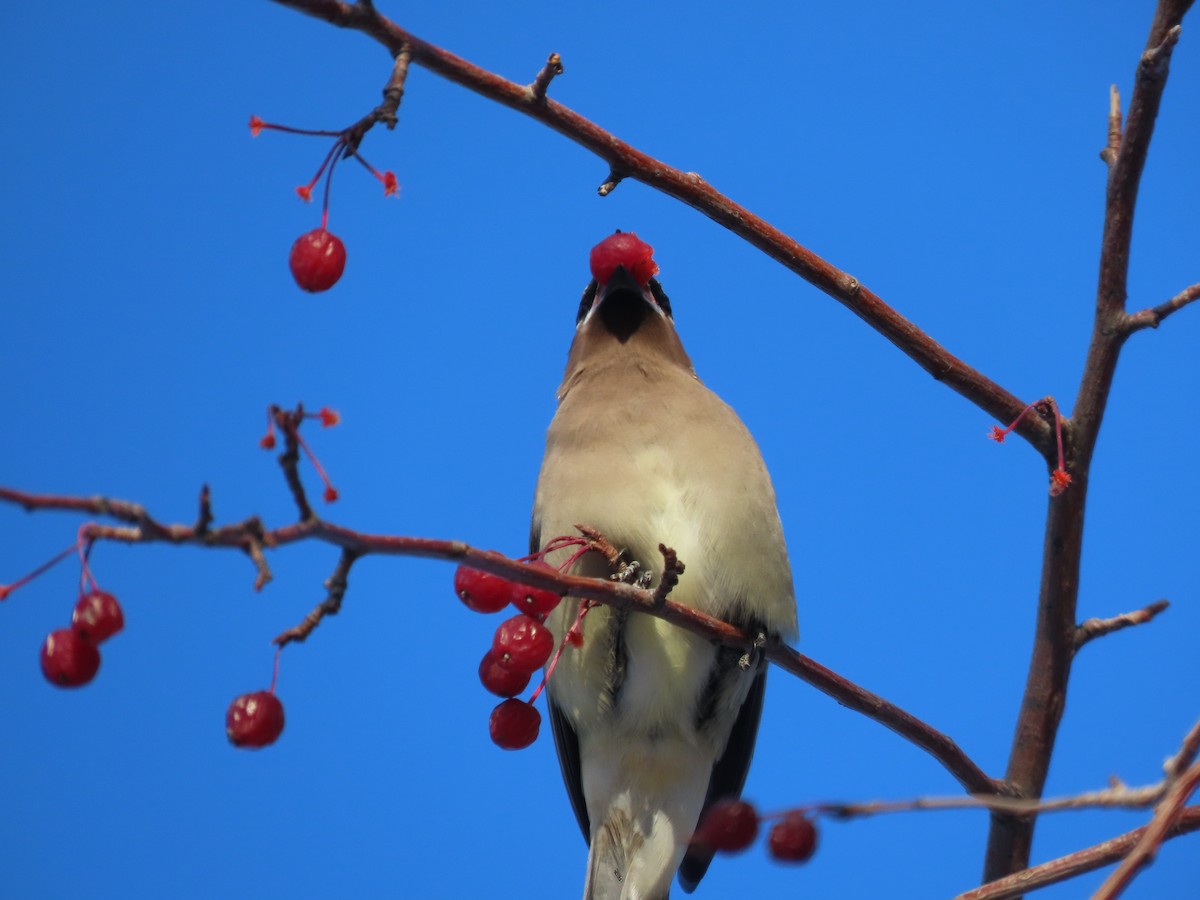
[335, 585]
[205, 516]
[673, 567]
[1175, 766]
[1113, 147]
[552, 68]
[288, 421]
[1152, 317]
[1143, 853]
[393, 93]
[1094, 628]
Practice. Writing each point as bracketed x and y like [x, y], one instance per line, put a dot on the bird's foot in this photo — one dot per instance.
[631, 573]
[747, 659]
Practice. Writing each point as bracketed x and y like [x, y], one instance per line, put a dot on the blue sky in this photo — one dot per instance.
[947, 158]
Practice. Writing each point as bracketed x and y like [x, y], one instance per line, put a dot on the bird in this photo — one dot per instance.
[654, 724]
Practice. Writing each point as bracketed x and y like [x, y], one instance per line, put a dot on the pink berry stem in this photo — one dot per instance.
[577, 625]
[335, 155]
[1057, 431]
[6, 589]
[313, 459]
[84, 546]
[1017, 421]
[306, 190]
[289, 130]
[275, 669]
[558, 543]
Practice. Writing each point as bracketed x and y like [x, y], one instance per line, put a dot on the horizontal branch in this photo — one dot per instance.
[250, 537]
[625, 161]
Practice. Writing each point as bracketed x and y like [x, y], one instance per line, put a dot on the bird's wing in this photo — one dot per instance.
[566, 742]
[728, 775]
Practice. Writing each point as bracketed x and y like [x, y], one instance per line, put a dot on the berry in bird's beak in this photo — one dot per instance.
[623, 250]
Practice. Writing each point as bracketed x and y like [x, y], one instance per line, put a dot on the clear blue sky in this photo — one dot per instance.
[946, 156]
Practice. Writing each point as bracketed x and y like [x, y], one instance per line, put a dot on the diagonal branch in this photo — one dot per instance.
[1166, 815]
[1078, 863]
[626, 161]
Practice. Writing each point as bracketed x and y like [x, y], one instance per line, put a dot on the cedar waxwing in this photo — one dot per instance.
[653, 723]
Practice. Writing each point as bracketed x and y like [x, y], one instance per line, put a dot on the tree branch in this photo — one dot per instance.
[1011, 838]
[1150, 318]
[1094, 628]
[1078, 863]
[1160, 827]
[250, 537]
[625, 161]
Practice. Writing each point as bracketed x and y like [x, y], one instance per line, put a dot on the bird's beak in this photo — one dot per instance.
[624, 286]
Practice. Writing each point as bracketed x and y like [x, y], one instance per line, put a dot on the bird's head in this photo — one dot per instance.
[623, 294]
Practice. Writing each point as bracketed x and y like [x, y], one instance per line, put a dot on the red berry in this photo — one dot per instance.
[482, 591]
[523, 644]
[69, 659]
[254, 720]
[623, 249]
[97, 616]
[501, 681]
[727, 826]
[318, 259]
[793, 838]
[535, 601]
[514, 724]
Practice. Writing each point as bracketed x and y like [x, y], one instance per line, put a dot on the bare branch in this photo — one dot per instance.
[393, 92]
[552, 68]
[1094, 628]
[1054, 646]
[1126, 170]
[1078, 863]
[289, 460]
[1150, 318]
[1113, 147]
[1119, 797]
[1175, 766]
[336, 585]
[626, 161]
[1160, 827]
[672, 568]
[205, 517]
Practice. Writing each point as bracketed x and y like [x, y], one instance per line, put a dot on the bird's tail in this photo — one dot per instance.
[622, 863]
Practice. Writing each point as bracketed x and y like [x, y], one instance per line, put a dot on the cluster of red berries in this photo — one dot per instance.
[318, 257]
[71, 656]
[520, 646]
[730, 826]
